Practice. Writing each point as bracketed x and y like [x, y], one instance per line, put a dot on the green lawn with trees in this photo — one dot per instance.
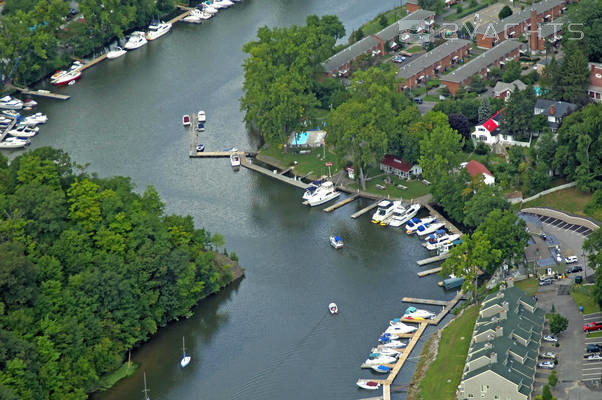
[89, 270]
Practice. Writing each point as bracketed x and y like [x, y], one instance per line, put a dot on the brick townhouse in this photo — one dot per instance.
[595, 82]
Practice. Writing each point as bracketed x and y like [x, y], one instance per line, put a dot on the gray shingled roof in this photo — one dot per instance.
[387, 34]
[561, 108]
[554, 27]
[483, 61]
[503, 86]
[515, 19]
[432, 57]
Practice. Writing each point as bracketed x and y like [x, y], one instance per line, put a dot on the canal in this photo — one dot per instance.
[269, 336]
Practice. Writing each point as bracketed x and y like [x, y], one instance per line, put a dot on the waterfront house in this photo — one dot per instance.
[502, 358]
[555, 111]
[475, 168]
[412, 5]
[489, 132]
[396, 166]
[502, 90]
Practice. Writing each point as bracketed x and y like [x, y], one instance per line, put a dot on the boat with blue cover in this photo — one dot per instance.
[336, 242]
[383, 369]
[417, 313]
[414, 223]
[425, 229]
[311, 188]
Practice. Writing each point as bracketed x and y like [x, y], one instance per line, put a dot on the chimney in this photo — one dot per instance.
[552, 110]
[493, 358]
[499, 331]
[534, 41]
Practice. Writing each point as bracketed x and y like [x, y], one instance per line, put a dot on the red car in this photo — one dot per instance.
[592, 327]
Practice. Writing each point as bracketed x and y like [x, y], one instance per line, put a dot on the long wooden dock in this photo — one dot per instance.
[450, 305]
[93, 62]
[247, 163]
[429, 272]
[179, 17]
[41, 93]
[425, 301]
[441, 218]
[432, 259]
[8, 128]
[366, 209]
[341, 203]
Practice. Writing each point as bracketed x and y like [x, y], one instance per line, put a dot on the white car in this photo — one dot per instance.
[571, 259]
[548, 354]
[550, 338]
[595, 357]
[546, 364]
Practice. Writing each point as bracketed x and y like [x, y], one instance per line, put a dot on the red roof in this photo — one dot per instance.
[492, 123]
[396, 163]
[475, 168]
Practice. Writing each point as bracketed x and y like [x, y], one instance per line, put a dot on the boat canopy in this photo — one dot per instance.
[338, 238]
[410, 310]
[440, 231]
[422, 227]
[374, 355]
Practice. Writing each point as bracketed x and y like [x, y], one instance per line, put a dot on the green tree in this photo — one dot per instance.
[547, 393]
[433, 5]
[382, 21]
[553, 379]
[558, 323]
[484, 110]
[506, 232]
[574, 74]
[593, 247]
[512, 71]
[587, 13]
[476, 84]
[440, 152]
[506, 11]
[519, 114]
[486, 199]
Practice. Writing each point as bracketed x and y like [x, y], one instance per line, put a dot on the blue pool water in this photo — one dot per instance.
[300, 139]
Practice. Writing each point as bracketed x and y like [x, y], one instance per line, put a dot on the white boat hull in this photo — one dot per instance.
[431, 229]
[396, 222]
[115, 54]
[321, 200]
[185, 361]
[367, 384]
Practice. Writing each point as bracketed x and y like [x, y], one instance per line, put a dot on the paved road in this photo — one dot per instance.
[426, 106]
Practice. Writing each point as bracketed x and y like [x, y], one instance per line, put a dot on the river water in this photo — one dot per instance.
[269, 336]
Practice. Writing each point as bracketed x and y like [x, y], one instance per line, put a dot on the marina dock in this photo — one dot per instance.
[247, 163]
[341, 203]
[8, 128]
[365, 209]
[425, 301]
[429, 272]
[42, 93]
[181, 16]
[91, 63]
[441, 218]
[432, 259]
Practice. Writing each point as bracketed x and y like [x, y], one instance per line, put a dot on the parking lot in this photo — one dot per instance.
[591, 370]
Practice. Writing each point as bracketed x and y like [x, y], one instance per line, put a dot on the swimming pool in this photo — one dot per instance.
[300, 139]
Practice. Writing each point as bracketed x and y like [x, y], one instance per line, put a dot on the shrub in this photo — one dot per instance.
[481, 149]
[459, 10]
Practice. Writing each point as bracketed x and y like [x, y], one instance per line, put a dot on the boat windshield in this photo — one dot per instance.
[381, 211]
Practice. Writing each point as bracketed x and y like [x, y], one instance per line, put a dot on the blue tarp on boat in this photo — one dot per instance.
[440, 231]
[410, 310]
[338, 239]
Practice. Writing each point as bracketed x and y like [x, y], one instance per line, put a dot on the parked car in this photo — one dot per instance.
[548, 354]
[593, 348]
[544, 282]
[578, 279]
[398, 59]
[594, 357]
[592, 327]
[576, 268]
[550, 338]
[571, 259]
[546, 364]
[418, 100]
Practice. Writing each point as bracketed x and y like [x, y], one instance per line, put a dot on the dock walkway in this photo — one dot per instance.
[366, 209]
[41, 93]
[429, 272]
[8, 128]
[93, 62]
[179, 17]
[432, 259]
[425, 301]
[341, 203]
[247, 163]
[452, 228]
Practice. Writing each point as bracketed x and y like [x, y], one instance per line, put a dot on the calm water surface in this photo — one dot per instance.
[269, 336]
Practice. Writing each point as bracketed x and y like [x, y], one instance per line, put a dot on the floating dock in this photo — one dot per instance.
[429, 272]
[247, 163]
[42, 93]
[181, 16]
[425, 301]
[91, 63]
[341, 203]
[366, 209]
[432, 259]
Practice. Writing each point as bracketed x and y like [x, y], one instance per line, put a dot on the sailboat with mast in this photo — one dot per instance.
[145, 391]
[185, 359]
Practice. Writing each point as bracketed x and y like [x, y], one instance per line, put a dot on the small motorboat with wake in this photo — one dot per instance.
[336, 242]
[383, 369]
[235, 160]
[367, 384]
[403, 214]
[200, 148]
[418, 313]
[332, 307]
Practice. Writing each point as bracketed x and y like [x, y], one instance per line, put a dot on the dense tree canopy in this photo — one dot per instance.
[88, 270]
[279, 89]
[588, 13]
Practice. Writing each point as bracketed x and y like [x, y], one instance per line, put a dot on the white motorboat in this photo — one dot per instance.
[367, 384]
[201, 116]
[425, 229]
[194, 17]
[186, 120]
[116, 52]
[185, 358]
[414, 223]
[380, 360]
[323, 194]
[332, 307]
[221, 4]
[24, 131]
[10, 103]
[418, 313]
[384, 210]
[387, 351]
[383, 369]
[157, 29]
[336, 242]
[311, 188]
[400, 329]
[34, 119]
[136, 40]
[68, 78]
[394, 344]
[30, 103]
[10, 114]
[14, 143]
[397, 323]
[442, 241]
[402, 215]
[209, 9]
[235, 160]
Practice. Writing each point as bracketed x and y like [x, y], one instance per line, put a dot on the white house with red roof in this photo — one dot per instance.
[489, 132]
[396, 166]
[475, 168]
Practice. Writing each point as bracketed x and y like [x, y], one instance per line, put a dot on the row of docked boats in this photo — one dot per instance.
[17, 130]
[390, 345]
[436, 237]
[12, 103]
[394, 213]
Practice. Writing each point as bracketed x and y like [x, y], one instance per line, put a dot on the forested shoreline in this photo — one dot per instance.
[89, 270]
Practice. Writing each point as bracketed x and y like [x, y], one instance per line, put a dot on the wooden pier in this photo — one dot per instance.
[289, 169]
[429, 272]
[425, 301]
[93, 62]
[179, 17]
[8, 128]
[341, 203]
[366, 209]
[450, 305]
[432, 259]
[247, 163]
[441, 218]
[41, 93]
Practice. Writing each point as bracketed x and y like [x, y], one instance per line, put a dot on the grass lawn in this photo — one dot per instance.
[465, 11]
[529, 286]
[374, 25]
[414, 188]
[312, 163]
[571, 200]
[107, 381]
[443, 376]
[415, 49]
[583, 295]
[431, 97]
[595, 334]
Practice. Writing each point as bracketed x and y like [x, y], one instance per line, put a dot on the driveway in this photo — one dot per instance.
[426, 106]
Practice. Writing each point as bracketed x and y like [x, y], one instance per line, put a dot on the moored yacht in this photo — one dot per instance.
[208, 8]
[402, 214]
[235, 160]
[34, 119]
[157, 29]
[14, 143]
[10, 103]
[116, 52]
[24, 131]
[137, 39]
[311, 188]
[367, 384]
[414, 223]
[427, 228]
[418, 313]
[323, 194]
[442, 241]
[384, 210]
